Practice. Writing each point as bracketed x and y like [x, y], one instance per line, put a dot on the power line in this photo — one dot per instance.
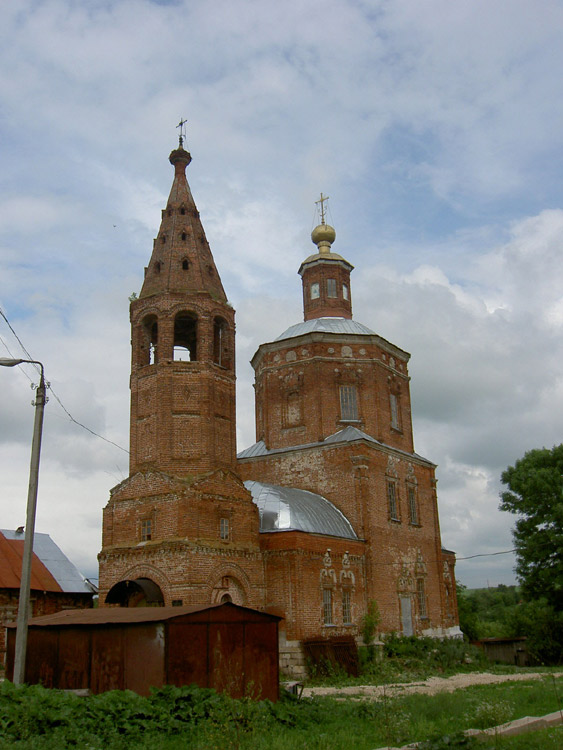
[49, 386]
[487, 554]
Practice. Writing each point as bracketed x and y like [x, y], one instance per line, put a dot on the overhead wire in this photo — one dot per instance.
[50, 387]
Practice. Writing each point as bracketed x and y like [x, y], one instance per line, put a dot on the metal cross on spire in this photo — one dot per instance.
[182, 126]
[322, 207]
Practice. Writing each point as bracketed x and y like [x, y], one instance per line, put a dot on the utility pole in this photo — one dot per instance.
[25, 579]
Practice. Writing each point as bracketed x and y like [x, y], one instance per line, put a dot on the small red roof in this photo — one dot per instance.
[11, 554]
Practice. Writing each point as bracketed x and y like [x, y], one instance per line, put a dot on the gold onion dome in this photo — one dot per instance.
[323, 236]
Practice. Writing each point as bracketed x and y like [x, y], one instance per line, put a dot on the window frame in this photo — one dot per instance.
[392, 500]
[347, 606]
[224, 529]
[348, 397]
[327, 602]
[331, 289]
[421, 598]
[412, 502]
[147, 529]
[395, 410]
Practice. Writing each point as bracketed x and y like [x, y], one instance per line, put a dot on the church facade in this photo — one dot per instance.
[329, 510]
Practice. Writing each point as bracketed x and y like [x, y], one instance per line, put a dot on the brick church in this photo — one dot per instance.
[330, 508]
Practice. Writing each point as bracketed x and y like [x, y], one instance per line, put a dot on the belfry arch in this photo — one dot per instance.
[221, 343]
[185, 336]
[140, 592]
[145, 341]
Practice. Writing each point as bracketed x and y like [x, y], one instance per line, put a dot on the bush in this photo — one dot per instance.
[443, 655]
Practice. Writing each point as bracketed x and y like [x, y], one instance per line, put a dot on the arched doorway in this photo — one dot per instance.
[141, 592]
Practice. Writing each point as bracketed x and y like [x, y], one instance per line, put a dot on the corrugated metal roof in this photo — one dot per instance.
[11, 554]
[326, 325]
[49, 558]
[287, 508]
[117, 615]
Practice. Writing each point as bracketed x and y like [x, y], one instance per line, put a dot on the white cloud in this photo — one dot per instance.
[434, 127]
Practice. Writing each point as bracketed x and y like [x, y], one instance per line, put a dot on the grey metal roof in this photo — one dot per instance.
[326, 325]
[57, 563]
[287, 508]
[258, 449]
[347, 435]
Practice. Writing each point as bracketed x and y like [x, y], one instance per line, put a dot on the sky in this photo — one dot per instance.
[435, 127]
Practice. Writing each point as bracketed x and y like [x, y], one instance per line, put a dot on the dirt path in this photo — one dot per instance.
[431, 686]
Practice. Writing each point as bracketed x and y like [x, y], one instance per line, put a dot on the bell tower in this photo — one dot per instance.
[183, 348]
[325, 275]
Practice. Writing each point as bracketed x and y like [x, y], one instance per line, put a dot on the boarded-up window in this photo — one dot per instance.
[347, 607]
[392, 500]
[421, 596]
[395, 412]
[348, 403]
[293, 409]
[327, 606]
[413, 506]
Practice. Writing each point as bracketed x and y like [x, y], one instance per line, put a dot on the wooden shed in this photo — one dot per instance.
[223, 646]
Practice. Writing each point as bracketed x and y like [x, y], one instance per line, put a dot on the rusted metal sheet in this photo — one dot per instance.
[11, 553]
[261, 664]
[41, 663]
[187, 653]
[73, 664]
[106, 660]
[230, 648]
[144, 657]
[225, 653]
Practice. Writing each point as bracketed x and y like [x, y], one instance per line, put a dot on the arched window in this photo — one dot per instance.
[185, 337]
[148, 354]
[185, 264]
[221, 349]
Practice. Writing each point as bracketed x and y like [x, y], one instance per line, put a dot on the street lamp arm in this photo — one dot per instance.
[8, 362]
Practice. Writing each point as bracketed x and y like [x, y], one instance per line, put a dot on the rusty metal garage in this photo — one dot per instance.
[224, 646]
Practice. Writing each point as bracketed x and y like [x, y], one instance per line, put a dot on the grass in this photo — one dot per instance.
[192, 718]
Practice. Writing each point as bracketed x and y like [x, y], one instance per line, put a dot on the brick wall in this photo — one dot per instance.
[300, 382]
[42, 603]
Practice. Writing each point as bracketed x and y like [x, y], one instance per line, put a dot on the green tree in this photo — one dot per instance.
[535, 495]
[368, 626]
